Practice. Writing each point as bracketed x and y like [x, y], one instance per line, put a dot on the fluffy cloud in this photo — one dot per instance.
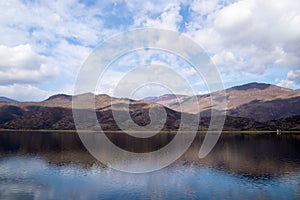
[294, 75]
[45, 42]
[292, 79]
[170, 18]
[19, 57]
[253, 35]
[130, 62]
[204, 7]
[49, 40]
[20, 64]
[243, 37]
[51, 21]
[24, 92]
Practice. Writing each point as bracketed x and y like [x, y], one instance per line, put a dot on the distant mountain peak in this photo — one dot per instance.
[104, 96]
[253, 85]
[60, 96]
[164, 97]
[7, 100]
[69, 97]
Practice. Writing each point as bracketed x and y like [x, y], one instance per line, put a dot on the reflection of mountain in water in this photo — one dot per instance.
[250, 155]
[256, 155]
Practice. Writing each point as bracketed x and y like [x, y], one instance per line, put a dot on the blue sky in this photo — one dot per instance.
[43, 44]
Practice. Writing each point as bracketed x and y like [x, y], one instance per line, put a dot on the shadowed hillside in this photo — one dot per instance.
[252, 106]
[258, 101]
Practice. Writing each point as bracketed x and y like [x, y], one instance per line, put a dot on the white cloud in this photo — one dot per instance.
[294, 75]
[224, 58]
[46, 40]
[20, 64]
[187, 72]
[70, 56]
[130, 62]
[287, 84]
[204, 7]
[49, 40]
[234, 18]
[58, 19]
[24, 92]
[19, 57]
[292, 79]
[168, 19]
[258, 33]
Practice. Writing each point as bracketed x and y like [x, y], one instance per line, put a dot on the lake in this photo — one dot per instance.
[49, 165]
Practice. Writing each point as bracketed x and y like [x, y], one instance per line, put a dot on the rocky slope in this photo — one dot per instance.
[258, 101]
[250, 107]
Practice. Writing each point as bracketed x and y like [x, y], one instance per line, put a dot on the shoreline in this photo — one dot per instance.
[122, 132]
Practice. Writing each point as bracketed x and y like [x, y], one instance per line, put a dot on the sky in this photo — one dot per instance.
[43, 44]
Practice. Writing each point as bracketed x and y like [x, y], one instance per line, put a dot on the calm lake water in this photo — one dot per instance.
[57, 166]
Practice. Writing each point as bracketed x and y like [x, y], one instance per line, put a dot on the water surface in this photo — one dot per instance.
[43, 165]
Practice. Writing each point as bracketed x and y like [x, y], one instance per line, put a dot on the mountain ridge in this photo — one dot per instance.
[7, 100]
[252, 106]
[241, 99]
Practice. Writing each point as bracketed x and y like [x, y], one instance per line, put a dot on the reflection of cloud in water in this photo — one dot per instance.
[56, 166]
[254, 156]
[15, 181]
[45, 181]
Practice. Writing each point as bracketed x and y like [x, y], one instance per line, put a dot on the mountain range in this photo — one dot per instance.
[253, 106]
[258, 101]
[8, 100]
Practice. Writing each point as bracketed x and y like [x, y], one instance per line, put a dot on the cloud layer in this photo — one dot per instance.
[20, 64]
[44, 43]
